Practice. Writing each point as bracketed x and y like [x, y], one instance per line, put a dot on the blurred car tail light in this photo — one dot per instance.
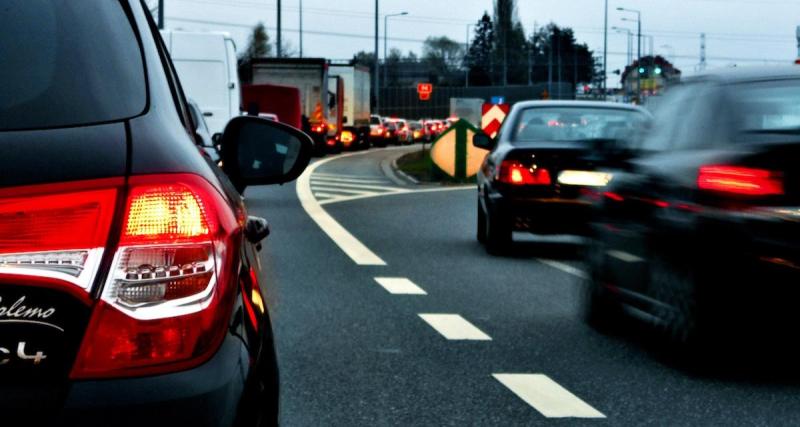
[515, 173]
[168, 296]
[320, 128]
[347, 137]
[377, 131]
[740, 180]
[56, 232]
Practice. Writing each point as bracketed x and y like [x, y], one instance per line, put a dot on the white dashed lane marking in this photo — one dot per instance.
[454, 327]
[400, 286]
[566, 268]
[547, 396]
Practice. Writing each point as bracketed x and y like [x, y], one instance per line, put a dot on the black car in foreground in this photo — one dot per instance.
[130, 289]
[541, 163]
[697, 233]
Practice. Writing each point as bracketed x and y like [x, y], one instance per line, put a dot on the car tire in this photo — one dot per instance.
[683, 314]
[481, 224]
[600, 310]
[498, 233]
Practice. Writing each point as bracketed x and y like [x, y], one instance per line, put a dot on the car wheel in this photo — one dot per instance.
[498, 233]
[481, 224]
[600, 311]
[680, 312]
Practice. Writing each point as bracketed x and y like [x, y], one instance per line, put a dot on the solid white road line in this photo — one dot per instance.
[547, 397]
[454, 327]
[351, 246]
[566, 268]
[400, 286]
[624, 256]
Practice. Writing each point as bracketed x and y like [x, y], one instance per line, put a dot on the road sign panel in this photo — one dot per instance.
[424, 88]
[498, 100]
[454, 153]
[493, 117]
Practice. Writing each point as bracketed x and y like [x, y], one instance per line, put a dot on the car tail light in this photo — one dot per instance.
[168, 295]
[321, 128]
[56, 232]
[740, 180]
[515, 173]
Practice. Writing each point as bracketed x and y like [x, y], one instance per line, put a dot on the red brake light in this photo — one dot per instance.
[740, 180]
[56, 232]
[168, 296]
[513, 172]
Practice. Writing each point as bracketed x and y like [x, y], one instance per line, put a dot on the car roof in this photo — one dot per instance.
[735, 75]
[578, 104]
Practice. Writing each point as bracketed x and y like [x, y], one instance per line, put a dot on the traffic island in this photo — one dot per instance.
[452, 158]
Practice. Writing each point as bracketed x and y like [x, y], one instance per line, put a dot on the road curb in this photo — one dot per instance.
[390, 169]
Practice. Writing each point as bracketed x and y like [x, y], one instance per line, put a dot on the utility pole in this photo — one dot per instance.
[375, 72]
[279, 43]
[160, 14]
[532, 56]
[301, 28]
[702, 65]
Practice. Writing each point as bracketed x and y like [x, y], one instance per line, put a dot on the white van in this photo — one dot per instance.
[207, 67]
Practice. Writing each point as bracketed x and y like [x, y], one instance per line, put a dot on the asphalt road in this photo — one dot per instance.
[352, 353]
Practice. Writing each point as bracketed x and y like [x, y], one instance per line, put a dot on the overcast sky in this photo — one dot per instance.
[742, 32]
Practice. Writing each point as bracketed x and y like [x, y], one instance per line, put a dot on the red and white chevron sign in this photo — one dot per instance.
[493, 116]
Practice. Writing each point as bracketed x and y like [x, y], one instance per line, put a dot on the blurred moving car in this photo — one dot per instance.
[697, 232]
[404, 133]
[130, 289]
[206, 63]
[533, 176]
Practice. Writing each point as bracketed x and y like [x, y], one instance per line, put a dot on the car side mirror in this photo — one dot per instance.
[481, 140]
[257, 151]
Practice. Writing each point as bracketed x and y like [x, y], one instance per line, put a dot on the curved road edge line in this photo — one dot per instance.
[348, 243]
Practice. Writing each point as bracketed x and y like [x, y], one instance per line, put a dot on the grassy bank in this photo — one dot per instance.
[419, 165]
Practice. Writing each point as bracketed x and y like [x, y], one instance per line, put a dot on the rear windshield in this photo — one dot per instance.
[374, 120]
[767, 106]
[566, 124]
[67, 63]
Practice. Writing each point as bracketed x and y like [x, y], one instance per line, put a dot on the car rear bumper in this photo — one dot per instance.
[543, 215]
[205, 396]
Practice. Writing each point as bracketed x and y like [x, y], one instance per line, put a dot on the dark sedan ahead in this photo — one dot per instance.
[130, 288]
[698, 231]
[542, 161]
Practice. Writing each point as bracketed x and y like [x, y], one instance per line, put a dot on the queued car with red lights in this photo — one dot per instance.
[536, 172]
[130, 286]
[697, 232]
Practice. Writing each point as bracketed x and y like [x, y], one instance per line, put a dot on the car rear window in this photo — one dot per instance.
[567, 124]
[67, 63]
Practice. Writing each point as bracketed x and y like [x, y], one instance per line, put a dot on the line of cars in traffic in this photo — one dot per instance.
[692, 215]
[396, 131]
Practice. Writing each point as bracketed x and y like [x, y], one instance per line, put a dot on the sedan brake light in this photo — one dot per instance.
[740, 180]
[515, 173]
[168, 296]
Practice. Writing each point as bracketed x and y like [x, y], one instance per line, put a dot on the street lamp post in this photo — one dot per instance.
[279, 43]
[301, 28]
[638, 48]
[386, 42]
[627, 31]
